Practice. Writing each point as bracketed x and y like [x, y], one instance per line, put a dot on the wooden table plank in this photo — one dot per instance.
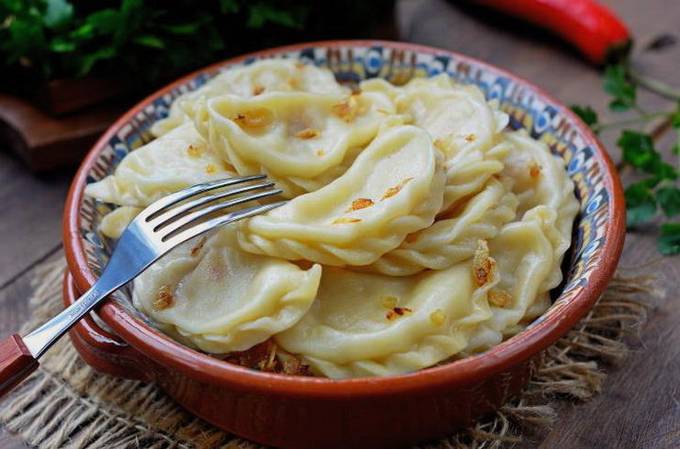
[14, 298]
[640, 404]
[30, 227]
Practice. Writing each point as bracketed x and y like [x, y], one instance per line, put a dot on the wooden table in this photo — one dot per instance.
[640, 404]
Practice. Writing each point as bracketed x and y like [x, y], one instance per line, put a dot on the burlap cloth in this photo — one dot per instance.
[67, 404]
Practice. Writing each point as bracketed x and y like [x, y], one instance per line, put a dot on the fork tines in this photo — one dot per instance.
[194, 210]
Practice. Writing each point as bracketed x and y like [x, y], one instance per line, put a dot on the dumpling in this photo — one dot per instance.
[265, 76]
[374, 325]
[172, 162]
[114, 223]
[213, 296]
[469, 170]
[275, 75]
[393, 188]
[458, 114]
[452, 239]
[525, 253]
[462, 125]
[293, 137]
[540, 179]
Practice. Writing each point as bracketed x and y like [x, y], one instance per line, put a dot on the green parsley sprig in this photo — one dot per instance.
[146, 42]
[656, 194]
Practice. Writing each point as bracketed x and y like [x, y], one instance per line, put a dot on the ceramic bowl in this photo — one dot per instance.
[303, 412]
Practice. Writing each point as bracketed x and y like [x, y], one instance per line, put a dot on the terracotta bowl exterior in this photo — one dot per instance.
[302, 412]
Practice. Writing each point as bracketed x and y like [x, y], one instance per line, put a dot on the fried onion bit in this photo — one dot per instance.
[499, 297]
[360, 203]
[483, 266]
[164, 298]
[346, 220]
[254, 119]
[396, 189]
[396, 312]
[308, 133]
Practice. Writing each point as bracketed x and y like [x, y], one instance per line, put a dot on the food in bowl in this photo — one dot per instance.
[418, 229]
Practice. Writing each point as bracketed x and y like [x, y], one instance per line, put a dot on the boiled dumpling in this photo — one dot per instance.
[461, 123]
[454, 238]
[375, 325]
[215, 297]
[265, 76]
[293, 137]
[539, 178]
[529, 259]
[393, 188]
[114, 223]
[172, 162]
[275, 75]
[526, 258]
[468, 171]
[458, 114]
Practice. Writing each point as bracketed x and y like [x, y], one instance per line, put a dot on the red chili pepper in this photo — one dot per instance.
[586, 24]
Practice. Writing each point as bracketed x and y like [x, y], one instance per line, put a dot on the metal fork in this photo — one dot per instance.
[160, 227]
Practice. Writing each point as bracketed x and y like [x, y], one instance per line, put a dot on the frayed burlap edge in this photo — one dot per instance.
[67, 404]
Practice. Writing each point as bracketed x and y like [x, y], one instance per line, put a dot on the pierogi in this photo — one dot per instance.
[418, 229]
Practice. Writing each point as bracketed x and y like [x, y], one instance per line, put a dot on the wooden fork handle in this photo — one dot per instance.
[16, 363]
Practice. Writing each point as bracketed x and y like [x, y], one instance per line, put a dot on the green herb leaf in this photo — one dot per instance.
[675, 123]
[131, 6]
[675, 119]
[57, 14]
[132, 20]
[105, 21]
[616, 85]
[13, 7]
[183, 29]
[638, 151]
[61, 45]
[619, 105]
[586, 113]
[149, 40]
[229, 6]
[83, 32]
[663, 170]
[668, 242]
[669, 200]
[261, 13]
[640, 202]
[638, 148]
[91, 59]
[641, 213]
[26, 40]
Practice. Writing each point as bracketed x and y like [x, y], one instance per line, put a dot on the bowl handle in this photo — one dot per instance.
[103, 350]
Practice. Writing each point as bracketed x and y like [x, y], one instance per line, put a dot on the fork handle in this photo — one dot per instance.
[16, 363]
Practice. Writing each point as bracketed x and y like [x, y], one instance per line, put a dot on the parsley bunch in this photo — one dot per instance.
[656, 194]
[146, 42]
